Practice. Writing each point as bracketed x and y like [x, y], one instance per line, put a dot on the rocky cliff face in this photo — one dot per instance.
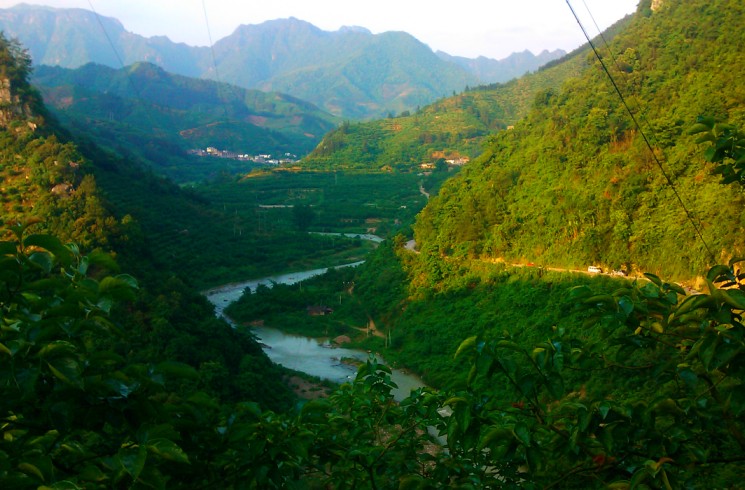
[11, 106]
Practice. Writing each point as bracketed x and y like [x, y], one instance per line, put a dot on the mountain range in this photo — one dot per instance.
[350, 73]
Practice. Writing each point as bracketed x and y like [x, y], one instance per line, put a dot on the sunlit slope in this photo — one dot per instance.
[574, 183]
[452, 128]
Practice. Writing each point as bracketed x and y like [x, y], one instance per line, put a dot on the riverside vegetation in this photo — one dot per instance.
[558, 380]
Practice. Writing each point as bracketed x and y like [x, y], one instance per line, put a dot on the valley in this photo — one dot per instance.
[119, 249]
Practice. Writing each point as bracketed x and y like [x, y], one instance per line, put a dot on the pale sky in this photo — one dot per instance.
[470, 28]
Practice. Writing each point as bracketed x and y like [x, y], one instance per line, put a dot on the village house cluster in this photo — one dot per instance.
[263, 158]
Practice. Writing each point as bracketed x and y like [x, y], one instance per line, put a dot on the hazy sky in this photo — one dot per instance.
[468, 28]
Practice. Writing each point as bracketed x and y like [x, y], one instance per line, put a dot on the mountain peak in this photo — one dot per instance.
[354, 29]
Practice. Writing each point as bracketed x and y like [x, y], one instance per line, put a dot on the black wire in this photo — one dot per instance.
[641, 131]
[236, 92]
[214, 58]
[113, 48]
[135, 89]
[618, 67]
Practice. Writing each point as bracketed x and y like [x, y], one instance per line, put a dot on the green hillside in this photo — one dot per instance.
[146, 113]
[452, 128]
[574, 184]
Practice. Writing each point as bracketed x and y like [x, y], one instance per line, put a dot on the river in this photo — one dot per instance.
[304, 353]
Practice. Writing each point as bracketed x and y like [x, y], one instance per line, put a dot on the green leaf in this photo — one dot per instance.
[455, 400]
[626, 305]
[119, 287]
[42, 260]
[31, 470]
[580, 292]
[51, 244]
[522, 433]
[508, 344]
[603, 408]
[463, 416]
[677, 289]
[726, 351]
[555, 384]
[654, 278]
[467, 346]
[699, 128]
[599, 299]
[734, 297]
[638, 478]
[167, 449]
[472, 374]
[410, 482]
[493, 435]
[57, 348]
[695, 302]
[66, 369]
[716, 271]
[315, 411]
[133, 459]
[705, 138]
[103, 259]
[706, 348]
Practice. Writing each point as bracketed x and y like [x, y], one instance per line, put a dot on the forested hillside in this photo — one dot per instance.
[453, 128]
[574, 183]
[148, 114]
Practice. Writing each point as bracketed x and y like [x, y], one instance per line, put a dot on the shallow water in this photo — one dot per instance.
[304, 353]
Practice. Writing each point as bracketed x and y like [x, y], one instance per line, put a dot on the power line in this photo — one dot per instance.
[111, 43]
[209, 37]
[618, 67]
[218, 82]
[135, 89]
[641, 131]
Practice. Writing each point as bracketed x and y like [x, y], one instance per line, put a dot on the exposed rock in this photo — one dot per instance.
[342, 339]
[11, 108]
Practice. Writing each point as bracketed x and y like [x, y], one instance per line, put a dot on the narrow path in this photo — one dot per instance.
[424, 192]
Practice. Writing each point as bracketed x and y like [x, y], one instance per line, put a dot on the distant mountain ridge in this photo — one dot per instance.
[489, 70]
[350, 73]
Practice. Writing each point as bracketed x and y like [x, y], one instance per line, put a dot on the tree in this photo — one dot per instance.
[302, 216]
[73, 411]
[650, 394]
[727, 148]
